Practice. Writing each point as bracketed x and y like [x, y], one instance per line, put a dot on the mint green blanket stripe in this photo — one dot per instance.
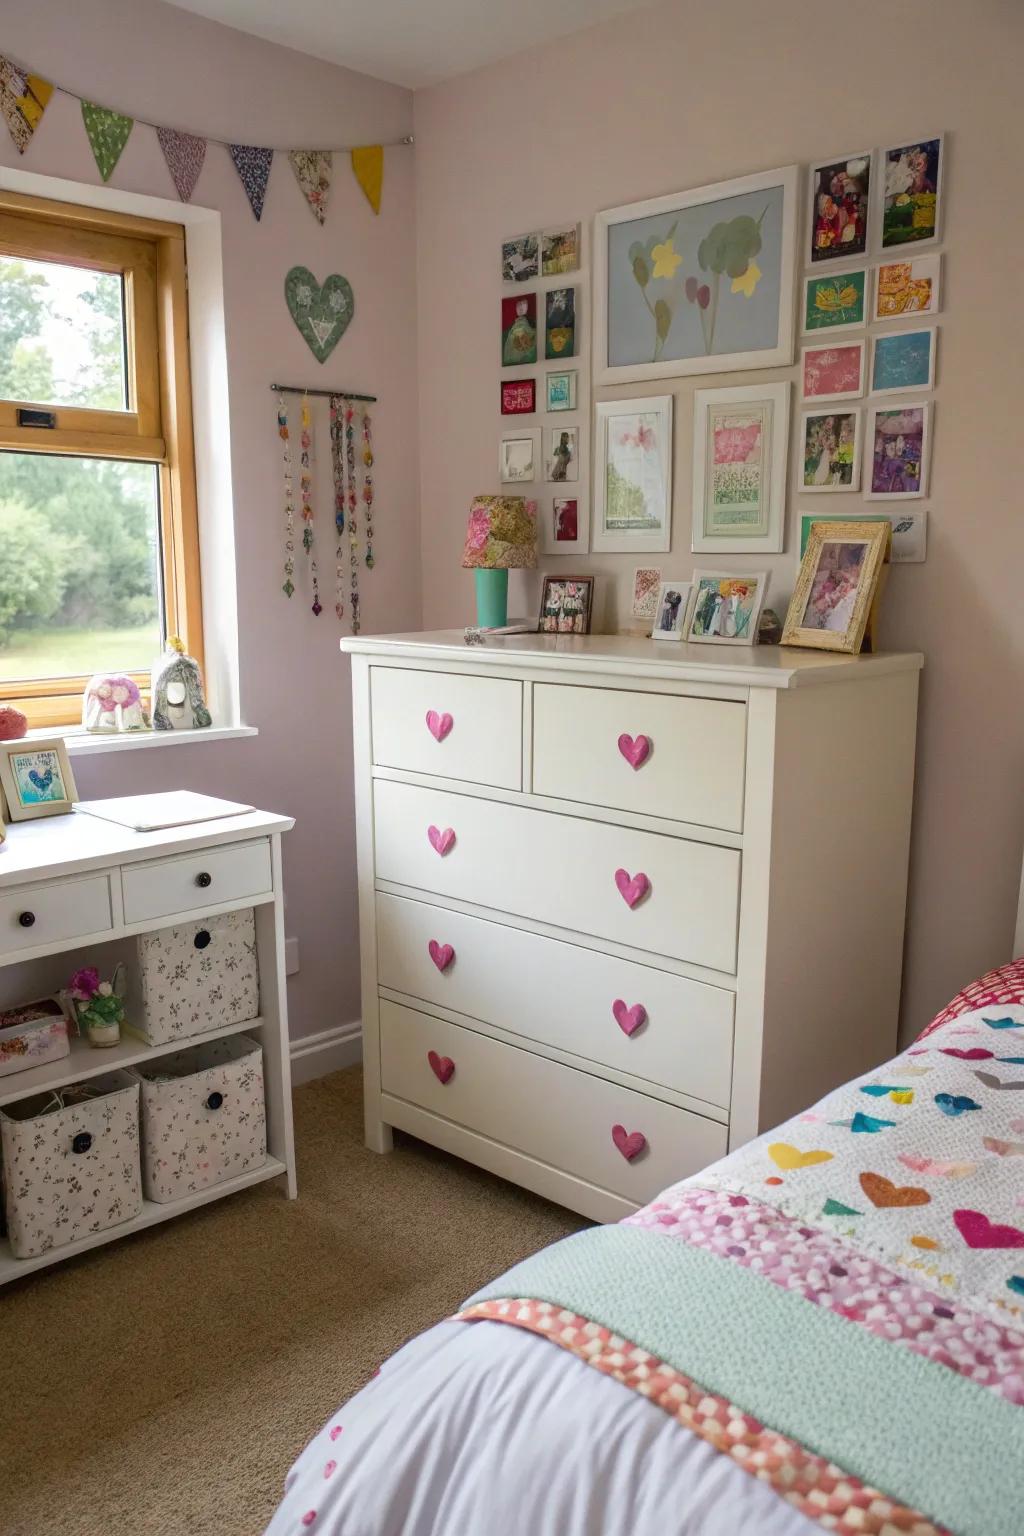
[908, 1426]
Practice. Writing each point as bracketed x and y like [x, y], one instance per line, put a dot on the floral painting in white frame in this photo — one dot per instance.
[519, 457]
[832, 372]
[899, 441]
[903, 360]
[830, 450]
[700, 281]
[726, 607]
[633, 476]
[908, 288]
[740, 445]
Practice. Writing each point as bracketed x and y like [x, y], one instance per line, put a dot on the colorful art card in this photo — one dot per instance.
[561, 391]
[519, 331]
[518, 397]
[839, 208]
[727, 606]
[907, 288]
[646, 581]
[563, 458]
[560, 323]
[834, 372]
[903, 360]
[836, 301]
[520, 260]
[560, 251]
[899, 438]
[831, 451]
[565, 520]
[911, 191]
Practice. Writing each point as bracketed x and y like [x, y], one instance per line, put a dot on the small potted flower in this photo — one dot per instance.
[99, 1006]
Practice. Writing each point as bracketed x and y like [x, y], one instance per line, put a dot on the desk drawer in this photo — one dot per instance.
[474, 732]
[34, 915]
[561, 995]
[561, 1117]
[693, 769]
[196, 881]
[562, 870]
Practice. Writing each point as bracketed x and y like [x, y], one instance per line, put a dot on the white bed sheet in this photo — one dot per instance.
[482, 1429]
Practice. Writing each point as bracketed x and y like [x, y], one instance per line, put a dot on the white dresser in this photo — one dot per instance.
[623, 904]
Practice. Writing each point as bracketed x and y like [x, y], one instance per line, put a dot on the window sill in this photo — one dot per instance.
[80, 743]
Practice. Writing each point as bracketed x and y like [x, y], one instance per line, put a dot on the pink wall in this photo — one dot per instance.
[142, 56]
[687, 93]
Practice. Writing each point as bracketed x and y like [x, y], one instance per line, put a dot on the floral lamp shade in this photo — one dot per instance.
[501, 534]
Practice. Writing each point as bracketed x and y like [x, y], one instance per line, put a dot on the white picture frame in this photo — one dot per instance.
[844, 344]
[563, 453]
[930, 268]
[771, 403]
[683, 301]
[857, 268]
[880, 178]
[680, 592]
[724, 618]
[561, 390]
[512, 466]
[889, 339]
[848, 254]
[649, 463]
[829, 485]
[550, 543]
[892, 407]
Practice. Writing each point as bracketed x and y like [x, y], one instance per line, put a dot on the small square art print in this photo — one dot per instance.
[560, 250]
[560, 316]
[833, 373]
[839, 208]
[519, 259]
[519, 330]
[903, 360]
[831, 451]
[904, 288]
[898, 438]
[518, 397]
[561, 391]
[836, 301]
[565, 605]
[911, 190]
[565, 520]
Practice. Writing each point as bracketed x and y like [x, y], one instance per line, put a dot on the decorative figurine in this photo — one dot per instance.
[112, 702]
[177, 692]
[13, 724]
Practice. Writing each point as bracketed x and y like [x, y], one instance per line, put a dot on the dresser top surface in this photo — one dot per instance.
[756, 666]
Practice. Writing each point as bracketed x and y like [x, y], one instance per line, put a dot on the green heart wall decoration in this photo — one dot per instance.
[322, 312]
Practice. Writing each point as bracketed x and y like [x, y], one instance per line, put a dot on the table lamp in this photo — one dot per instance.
[501, 536]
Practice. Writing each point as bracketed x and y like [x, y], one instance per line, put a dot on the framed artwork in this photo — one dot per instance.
[633, 493]
[646, 582]
[903, 360]
[836, 585]
[560, 250]
[697, 282]
[907, 288]
[563, 461]
[833, 372]
[518, 397]
[519, 259]
[835, 301]
[911, 192]
[740, 442]
[672, 611]
[561, 391]
[899, 437]
[565, 605]
[830, 451]
[560, 323]
[519, 457]
[726, 607]
[909, 531]
[565, 526]
[36, 778]
[519, 330]
[838, 204]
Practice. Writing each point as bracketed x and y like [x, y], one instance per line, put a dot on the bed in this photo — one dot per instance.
[822, 1331]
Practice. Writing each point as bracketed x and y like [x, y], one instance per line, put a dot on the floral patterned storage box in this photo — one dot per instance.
[71, 1163]
[32, 1035]
[197, 977]
[203, 1117]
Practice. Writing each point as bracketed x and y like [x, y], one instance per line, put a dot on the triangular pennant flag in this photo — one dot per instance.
[108, 134]
[253, 166]
[368, 165]
[23, 100]
[313, 169]
[184, 154]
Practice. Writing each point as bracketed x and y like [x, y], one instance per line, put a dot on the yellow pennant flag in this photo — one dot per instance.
[368, 165]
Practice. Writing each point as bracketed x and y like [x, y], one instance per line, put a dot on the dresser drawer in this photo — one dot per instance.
[561, 1117]
[673, 1032]
[690, 753]
[448, 724]
[196, 881]
[562, 870]
[34, 915]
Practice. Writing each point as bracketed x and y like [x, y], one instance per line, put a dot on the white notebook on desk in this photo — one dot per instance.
[155, 813]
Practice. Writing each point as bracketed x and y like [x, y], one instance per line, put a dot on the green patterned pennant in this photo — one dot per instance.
[108, 134]
[322, 313]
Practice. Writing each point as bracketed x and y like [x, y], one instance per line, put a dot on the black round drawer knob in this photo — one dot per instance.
[26, 919]
[201, 939]
[204, 879]
[82, 1142]
[215, 1101]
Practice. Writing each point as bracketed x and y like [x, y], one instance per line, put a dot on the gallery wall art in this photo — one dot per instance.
[740, 440]
[911, 193]
[903, 360]
[840, 204]
[633, 475]
[833, 372]
[835, 301]
[899, 440]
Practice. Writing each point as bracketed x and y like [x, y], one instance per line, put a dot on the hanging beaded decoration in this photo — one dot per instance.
[306, 487]
[368, 486]
[338, 468]
[288, 586]
[352, 508]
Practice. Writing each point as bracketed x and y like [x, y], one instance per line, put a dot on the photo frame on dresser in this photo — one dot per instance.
[36, 778]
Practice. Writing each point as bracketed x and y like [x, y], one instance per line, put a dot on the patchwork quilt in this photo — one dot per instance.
[839, 1305]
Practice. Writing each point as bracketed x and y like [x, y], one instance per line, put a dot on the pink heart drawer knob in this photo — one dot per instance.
[632, 888]
[439, 725]
[440, 841]
[629, 1020]
[441, 954]
[442, 1067]
[630, 1143]
[635, 749]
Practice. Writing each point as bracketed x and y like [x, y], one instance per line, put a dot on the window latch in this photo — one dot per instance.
[28, 417]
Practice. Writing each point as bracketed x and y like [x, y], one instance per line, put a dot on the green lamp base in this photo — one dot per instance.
[491, 598]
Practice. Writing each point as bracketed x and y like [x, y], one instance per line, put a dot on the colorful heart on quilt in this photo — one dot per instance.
[1016, 1283]
[630, 1143]
[887, 1195]
[836, 1208]
[916, 1071]
[1011, 1061]
[441, 954]
[978, 1232]
[632, 888]
[441, 841]
[991, 1081]
[954, 1104]
[322, 312]
[928, 1243]
[973, 1053]
[1003, 1148]
[861, 1122]
[876, 1090]
[1006, 1023]
[917, 1162]
[439, 725]
[635, 749]
[783, 1155]
[629, 1020]
[442, 1067]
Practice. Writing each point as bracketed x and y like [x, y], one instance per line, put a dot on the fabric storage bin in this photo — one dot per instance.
[197, 976]
[32, 1035]
[204, 1118]
[71, 1163]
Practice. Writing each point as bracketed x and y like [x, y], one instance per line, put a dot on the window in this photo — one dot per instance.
[99, 558]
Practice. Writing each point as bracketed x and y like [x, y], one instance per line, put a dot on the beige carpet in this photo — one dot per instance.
[162, 1386]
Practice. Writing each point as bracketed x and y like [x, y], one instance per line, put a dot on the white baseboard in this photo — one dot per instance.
[329, 1051]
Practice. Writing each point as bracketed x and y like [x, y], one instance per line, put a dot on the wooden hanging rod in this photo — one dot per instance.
[343, 394]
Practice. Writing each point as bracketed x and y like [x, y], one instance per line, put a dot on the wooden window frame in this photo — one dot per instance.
[157, 426]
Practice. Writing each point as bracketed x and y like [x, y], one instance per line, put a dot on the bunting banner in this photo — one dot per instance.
[253, 167]
[313, 168]
[368, 165]
[184, 153]
[108, 134]
[23, 100]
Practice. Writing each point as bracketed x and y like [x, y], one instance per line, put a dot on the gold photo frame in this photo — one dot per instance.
[36, 778]
[831, 607]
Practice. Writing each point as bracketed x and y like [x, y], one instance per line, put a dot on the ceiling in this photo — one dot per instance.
[410, 42]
